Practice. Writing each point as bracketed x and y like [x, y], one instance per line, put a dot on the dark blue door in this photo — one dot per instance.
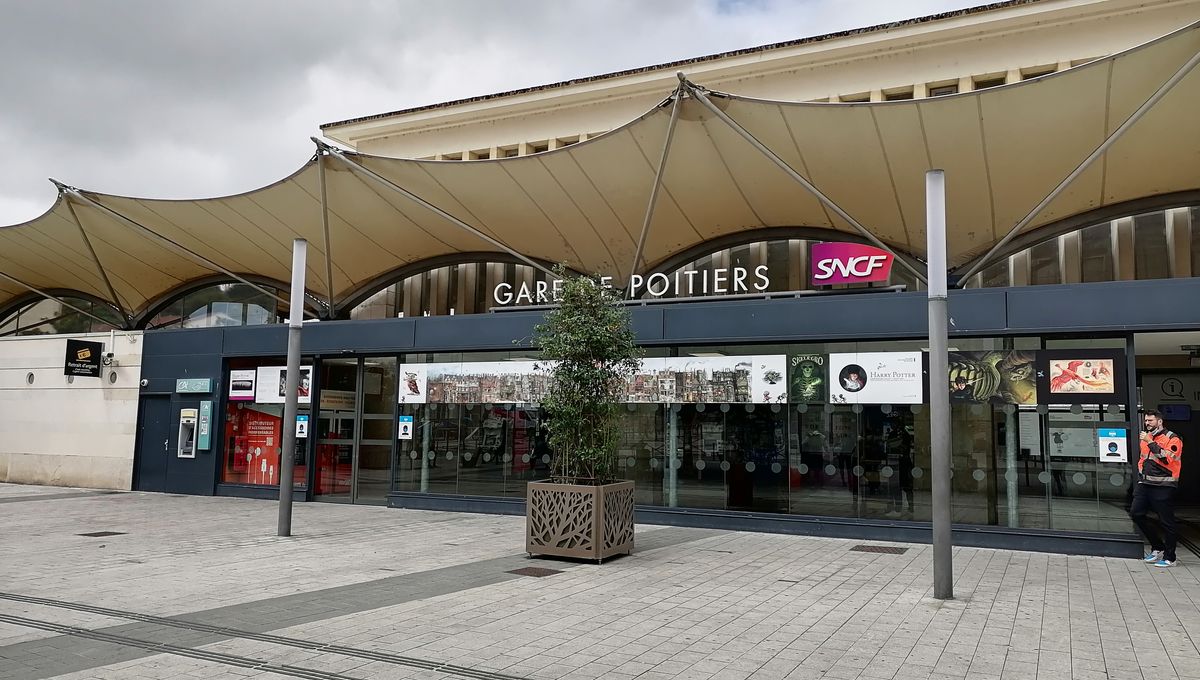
[153, 444]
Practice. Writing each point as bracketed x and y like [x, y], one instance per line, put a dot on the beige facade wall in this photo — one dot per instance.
[1007, 45]
[68, 434]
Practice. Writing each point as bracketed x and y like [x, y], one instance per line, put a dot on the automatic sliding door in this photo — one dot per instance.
[376, 430]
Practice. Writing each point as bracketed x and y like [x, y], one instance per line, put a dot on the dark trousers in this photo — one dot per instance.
[1160, 500]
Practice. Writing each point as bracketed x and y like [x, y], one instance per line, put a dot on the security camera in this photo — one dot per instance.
[108, 358]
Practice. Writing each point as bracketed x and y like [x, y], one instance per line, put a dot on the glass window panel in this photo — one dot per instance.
[1096, 253]
[1043, 263]
[1150, 255]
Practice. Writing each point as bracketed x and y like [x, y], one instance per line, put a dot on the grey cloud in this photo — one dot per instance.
[173, 98]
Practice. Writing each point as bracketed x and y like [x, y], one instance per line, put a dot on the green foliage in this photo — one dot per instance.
[592, 354]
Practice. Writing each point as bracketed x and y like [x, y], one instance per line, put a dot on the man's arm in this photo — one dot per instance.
[1171, 451]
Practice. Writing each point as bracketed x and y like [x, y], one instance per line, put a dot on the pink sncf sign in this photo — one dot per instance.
[848, 263]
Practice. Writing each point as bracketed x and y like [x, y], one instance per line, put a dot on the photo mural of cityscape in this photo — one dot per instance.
[1022, 377]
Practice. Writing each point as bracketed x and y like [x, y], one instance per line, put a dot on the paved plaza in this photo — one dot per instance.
[193, 587]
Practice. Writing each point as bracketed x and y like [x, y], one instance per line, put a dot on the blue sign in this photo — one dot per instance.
[405, 430]
[1114, 434]
[301, 427]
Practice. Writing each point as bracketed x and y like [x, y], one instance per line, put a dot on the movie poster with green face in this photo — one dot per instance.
[993, 377]
[807, 379]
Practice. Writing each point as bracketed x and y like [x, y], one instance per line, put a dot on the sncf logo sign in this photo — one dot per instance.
[848, 263]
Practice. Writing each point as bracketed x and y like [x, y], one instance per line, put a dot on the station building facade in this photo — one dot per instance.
[419, 388]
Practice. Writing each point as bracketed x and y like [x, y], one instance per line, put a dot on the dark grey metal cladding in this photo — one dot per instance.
[840, 317]
[1162, 304]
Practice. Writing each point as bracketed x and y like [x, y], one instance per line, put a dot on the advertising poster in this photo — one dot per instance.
[1072, 376]
[876, 378]
[271, 382]
[995, 377]
[241, 385]
[256, 439]
[808, 382]
[413, 384]
[753, 379]
[1081, 376]
[472, 382]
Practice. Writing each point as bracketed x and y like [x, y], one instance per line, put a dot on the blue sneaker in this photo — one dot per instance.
[1153, 556]
[1165, 563]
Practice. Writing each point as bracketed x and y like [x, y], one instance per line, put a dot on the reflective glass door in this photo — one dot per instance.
[372, 467]
[337, 430]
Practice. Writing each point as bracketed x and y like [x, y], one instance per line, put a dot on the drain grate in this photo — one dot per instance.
[102, 534]
[535, 571]
[885, 549]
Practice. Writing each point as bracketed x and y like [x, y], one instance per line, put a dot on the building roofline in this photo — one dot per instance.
[692, 60]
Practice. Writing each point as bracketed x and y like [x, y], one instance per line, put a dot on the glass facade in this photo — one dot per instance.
[1018, 460]
[49, 317]
[224, 304]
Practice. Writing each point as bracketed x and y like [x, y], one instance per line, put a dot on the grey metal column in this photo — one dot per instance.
[426, 431]
[1011, 491]
[939, 394]
[672, 476]
[292, 382]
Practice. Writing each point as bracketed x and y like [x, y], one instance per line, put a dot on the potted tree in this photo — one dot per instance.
[583, 510]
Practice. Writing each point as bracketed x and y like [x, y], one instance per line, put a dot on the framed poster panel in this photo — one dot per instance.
[1081, 376]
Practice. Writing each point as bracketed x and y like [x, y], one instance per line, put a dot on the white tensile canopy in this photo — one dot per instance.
[589, 205]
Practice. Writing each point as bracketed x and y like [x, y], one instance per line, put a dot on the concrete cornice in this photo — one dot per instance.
[713, 71]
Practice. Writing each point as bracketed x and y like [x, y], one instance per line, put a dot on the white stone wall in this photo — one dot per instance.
[68, 434]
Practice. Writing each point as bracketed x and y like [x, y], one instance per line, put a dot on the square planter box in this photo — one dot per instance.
[586, 522]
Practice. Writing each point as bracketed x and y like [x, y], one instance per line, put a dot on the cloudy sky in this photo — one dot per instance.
[186, 98]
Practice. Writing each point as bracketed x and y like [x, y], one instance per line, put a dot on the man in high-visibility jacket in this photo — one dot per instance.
[1158, 478]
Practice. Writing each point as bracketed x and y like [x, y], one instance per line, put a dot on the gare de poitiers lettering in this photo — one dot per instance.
[830, 263]
[681, 284]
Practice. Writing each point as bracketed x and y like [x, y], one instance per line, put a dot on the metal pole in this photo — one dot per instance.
[673, 457]
[76, 194]
[1010, 465]
[783, 165]
[1112, 138]
[360, 168]
[662, 165]
[426, 429]
[64, 303]
[292, 382]
[939, 395]
[325, 227]
[112, 292]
